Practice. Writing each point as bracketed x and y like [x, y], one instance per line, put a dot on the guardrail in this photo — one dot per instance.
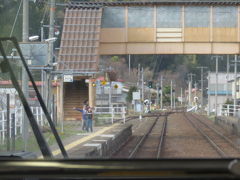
[111, 111]
[229, 110]
[16, 122]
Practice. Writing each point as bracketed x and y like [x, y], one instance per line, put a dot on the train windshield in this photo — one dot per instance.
[120, 80]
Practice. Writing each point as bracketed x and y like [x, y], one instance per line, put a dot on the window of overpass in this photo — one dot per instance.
[140, 17]
[225, 16]
[113, 17]
[197, 16]
[169, 17]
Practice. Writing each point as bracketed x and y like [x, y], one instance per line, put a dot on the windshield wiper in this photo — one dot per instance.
[6, 67]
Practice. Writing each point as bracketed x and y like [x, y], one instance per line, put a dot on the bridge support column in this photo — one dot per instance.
[92, 93]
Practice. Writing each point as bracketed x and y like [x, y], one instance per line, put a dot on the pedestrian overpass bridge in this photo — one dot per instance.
[92, 29]
[148, 27]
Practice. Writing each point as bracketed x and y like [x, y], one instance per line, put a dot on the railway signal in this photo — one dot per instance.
[150, 84]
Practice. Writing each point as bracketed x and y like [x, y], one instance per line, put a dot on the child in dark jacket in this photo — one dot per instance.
[90, 119]
[84, 117]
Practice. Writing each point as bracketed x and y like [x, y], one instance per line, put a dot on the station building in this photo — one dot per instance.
[224, 89]
[92, 29]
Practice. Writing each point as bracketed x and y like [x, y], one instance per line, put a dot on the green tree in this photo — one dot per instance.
[166, 94]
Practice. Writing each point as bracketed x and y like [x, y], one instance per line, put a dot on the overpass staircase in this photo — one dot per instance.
[75, 94]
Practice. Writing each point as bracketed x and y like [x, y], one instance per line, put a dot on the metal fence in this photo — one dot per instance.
[115, 113]
[229, 110]
[16, 122]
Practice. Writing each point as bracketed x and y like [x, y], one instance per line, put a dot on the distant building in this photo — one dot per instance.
[235, 90]
[224, 89]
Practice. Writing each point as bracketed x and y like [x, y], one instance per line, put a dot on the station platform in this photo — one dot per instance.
[100, 144]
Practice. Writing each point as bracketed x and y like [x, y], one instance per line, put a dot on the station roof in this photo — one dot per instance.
[80, 41]
[86, 4]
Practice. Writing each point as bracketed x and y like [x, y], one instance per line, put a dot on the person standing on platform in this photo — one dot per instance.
[90, 119]
[84, 116]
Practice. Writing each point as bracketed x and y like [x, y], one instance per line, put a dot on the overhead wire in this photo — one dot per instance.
[13, 27]
[43, 17]
[14, 23]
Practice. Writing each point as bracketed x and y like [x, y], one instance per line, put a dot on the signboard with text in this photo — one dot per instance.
[136, 95]
[68, 78]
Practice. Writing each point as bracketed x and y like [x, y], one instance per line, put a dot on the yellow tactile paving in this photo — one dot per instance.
[82, 140]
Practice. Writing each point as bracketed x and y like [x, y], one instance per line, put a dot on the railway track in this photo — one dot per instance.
[147, 115]
[146, 146]
[220, 143]
[148, 136]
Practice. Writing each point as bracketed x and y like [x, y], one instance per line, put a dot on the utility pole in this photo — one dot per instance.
[110, 93]
[195, 94]
[235, 82]
[208, 113]
[142, 85]
[216, 86]
[25, 34]
[142, 99]
[42, 33]
[139, 76]
[227, 75]
[157, 94]
[50, 54]
[171, 95]
[174, 97]
[129, 64]
[202, 68]
[190, 76]
[181, 97]
[161, 92]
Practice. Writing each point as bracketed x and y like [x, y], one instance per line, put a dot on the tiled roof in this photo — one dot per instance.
[80, 41]
[87, 4]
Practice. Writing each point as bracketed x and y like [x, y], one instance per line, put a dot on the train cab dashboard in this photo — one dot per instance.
[13, 168]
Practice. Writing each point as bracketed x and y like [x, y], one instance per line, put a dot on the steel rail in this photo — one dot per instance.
[218, 133]
[162, 136]
[214, 145]
[135, 150]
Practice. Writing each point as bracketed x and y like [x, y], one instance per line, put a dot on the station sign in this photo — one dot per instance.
[136, 95]
[68, 78]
